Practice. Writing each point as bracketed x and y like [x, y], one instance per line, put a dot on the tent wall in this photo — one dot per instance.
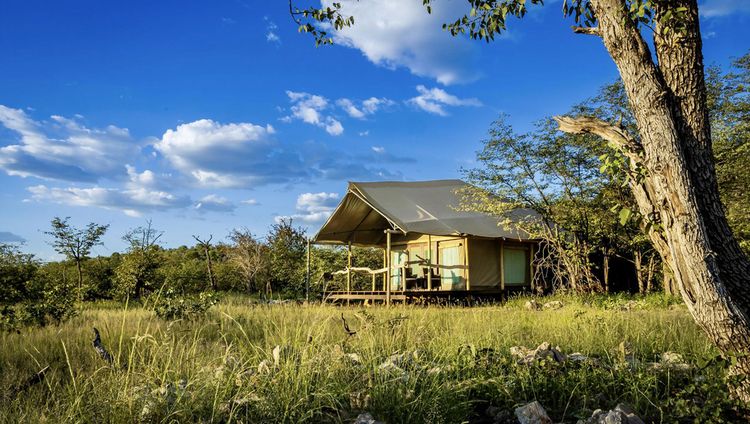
[484, 264]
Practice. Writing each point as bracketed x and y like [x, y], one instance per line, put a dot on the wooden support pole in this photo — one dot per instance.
[502, 266]
[307, 274]
[373, 282]
[531, 267]
[388, 267]
[429, 262]
[349, 270]
[385, 265]
[466, 264]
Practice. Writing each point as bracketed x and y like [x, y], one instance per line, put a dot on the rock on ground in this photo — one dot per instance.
[532, 305]
[366, 418]
[555, 304]
[543, 351]
[622, 414]
[532, 413]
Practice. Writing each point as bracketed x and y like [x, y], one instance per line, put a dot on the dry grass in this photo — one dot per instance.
[222, 368]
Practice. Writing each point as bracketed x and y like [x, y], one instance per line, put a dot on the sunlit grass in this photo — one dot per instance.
[222, 368]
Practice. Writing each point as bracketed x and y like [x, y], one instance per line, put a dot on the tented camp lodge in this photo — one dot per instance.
[431, 247]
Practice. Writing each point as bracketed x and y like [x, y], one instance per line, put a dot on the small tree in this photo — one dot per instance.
[16, 270]
[75, 243]
[287, 249]
[138, 269]
[251, 256]
[206, 246]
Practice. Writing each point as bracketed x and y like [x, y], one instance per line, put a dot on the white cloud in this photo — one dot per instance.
[313, 208]
[434, 100]
[271, 35]
[309, 109]
[63, 148]
[364, 133]
[334, 127]
[131, 202]
[237, 155]
[719, 8]
[378, 149]
[395, 33]
[214, 203]
[365, 108]
[145, 179]
[251, 202]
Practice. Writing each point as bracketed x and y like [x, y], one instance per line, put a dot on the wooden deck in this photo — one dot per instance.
[408, 295]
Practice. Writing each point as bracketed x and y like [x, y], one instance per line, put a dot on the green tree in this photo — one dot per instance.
[75, 243]
[676, 185]
[32, 293]
[138, 269]
[729, 100]
[183, 270]
[557, 176]
[287, 247]
[16, 270]
[99, 281]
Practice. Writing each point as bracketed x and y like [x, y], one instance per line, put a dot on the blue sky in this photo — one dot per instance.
[210, 115]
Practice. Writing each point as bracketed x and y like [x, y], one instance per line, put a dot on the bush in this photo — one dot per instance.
[170, 305]
[51, 300]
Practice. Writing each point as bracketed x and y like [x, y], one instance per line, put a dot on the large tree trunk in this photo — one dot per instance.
[678, 192]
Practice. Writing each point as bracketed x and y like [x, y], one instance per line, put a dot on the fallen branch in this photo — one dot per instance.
[31, 381]
[100, 349]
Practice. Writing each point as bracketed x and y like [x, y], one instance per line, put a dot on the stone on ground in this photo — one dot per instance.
[532, 413]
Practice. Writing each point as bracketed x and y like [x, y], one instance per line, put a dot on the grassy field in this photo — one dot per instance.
[451, 364]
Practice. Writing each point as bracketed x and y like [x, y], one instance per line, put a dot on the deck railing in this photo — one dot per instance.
[382, 271]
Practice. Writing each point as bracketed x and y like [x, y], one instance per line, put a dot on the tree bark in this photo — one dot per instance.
[80, 279]
[209, 265]
[638, 263]
[678, 191]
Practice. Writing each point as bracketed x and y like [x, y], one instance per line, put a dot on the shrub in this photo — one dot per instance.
[170, 305]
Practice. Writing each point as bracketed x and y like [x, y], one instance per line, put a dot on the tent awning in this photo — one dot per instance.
[425, 207]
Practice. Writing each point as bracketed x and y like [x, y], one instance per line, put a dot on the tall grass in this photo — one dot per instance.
[456, 364]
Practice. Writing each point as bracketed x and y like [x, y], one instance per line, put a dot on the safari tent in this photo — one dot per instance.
[430, 246]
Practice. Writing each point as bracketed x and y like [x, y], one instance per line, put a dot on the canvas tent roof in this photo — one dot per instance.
[425, 207]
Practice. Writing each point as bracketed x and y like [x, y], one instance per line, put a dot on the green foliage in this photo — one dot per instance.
[287, 249]
[75, 243]
[49, 298]
[171, 305]
[729, 101]
[99, 281]
[16, 270]
[311, 20]
[484, 19]
[136, 272]
[31, 293]
[184, 271]
[560, 177]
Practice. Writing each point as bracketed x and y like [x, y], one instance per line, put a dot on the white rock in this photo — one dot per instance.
[366, 418]
[555, 304]
[532, 413]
